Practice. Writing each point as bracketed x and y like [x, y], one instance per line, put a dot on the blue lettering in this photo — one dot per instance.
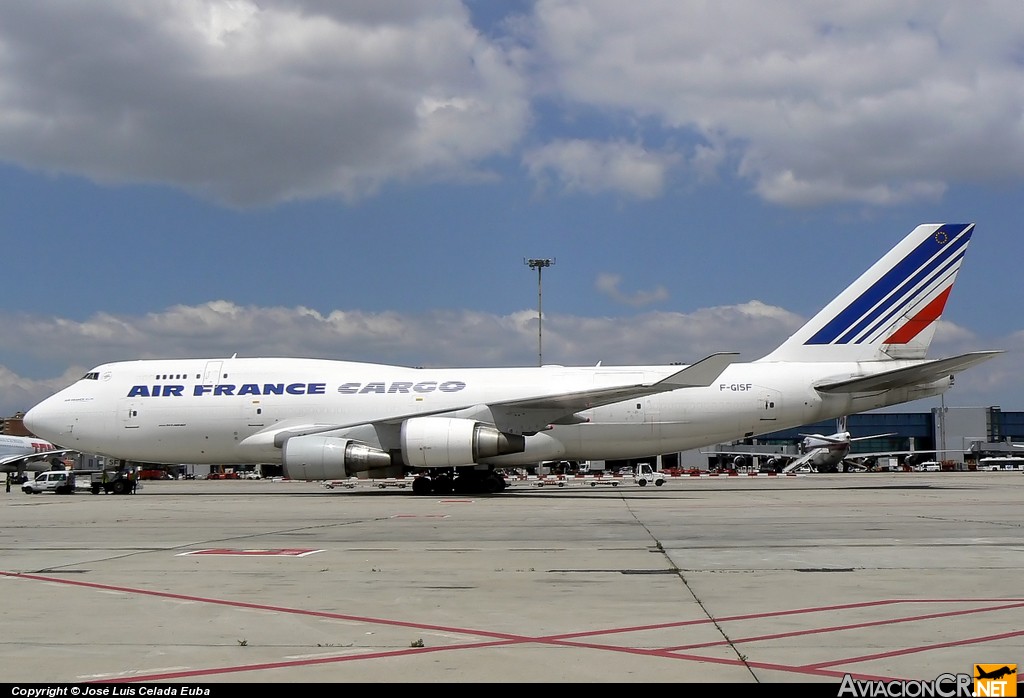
[243, 389]
[399, 387]
[425, 387]
[348, 388]
[372, 388]
[451, 386]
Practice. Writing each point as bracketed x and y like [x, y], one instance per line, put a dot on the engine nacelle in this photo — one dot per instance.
[317, 457]
[444, 442]
[739, 461]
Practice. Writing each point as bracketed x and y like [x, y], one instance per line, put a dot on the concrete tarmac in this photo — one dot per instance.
[888, 576]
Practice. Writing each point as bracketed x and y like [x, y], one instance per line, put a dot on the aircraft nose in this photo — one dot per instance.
[42, 420]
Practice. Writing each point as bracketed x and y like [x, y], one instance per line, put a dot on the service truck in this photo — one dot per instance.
[56, 481]
[646, 473]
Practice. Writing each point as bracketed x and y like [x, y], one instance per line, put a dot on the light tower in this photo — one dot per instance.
[539, 265]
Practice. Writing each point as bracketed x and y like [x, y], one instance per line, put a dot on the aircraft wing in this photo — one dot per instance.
[698, 375]
[911, 375]
[756, 454]
[15, 464]
[884, 454]
[522, 415]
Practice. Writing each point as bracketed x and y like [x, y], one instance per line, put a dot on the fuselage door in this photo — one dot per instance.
[769, 406]
[252, 412]
[211, 376]
[129, 414]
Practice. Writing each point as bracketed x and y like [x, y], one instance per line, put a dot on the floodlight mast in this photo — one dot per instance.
[539, 265]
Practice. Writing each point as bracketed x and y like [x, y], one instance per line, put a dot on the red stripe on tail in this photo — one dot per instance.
[916, 324]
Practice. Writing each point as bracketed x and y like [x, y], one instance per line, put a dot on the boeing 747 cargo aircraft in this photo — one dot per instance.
[325, 420]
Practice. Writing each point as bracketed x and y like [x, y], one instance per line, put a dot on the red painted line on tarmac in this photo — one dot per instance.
[193, 673]
[916, 650]
[257, 606]
[850, 626]
[492, 639]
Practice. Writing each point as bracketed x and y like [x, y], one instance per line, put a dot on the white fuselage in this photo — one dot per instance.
[230, 410]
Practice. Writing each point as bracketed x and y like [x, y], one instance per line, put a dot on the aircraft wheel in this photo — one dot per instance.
[493, 484]
[443, 485]
[422, 485]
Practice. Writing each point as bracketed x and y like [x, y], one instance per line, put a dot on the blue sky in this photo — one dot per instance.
[365, 180]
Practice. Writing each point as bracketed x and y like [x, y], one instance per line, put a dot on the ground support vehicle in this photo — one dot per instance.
[110, 482]
[645, 474]
[56, 481]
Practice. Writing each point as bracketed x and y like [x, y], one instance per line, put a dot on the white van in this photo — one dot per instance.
[57, 481]
[928, 466]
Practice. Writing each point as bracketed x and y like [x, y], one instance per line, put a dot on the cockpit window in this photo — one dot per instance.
[91, 376]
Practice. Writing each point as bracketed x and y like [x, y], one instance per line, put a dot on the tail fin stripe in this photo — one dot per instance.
[927, 316]
[937, 278]
[951, 240]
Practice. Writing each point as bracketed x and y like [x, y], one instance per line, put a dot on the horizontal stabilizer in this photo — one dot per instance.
[918, 374]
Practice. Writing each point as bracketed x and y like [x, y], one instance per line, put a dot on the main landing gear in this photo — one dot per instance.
[458, 481]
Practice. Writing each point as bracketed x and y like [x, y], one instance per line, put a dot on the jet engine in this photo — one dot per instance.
[739, 461]
[444, 442]
[317, 457]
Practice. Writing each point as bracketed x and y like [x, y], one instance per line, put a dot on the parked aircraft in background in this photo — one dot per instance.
[821, 453]
[28, 454]
[327, 420]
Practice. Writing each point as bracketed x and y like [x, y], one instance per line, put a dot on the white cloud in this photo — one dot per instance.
[578, 166]
[868, 102]
[608, 284]
[254, 103]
